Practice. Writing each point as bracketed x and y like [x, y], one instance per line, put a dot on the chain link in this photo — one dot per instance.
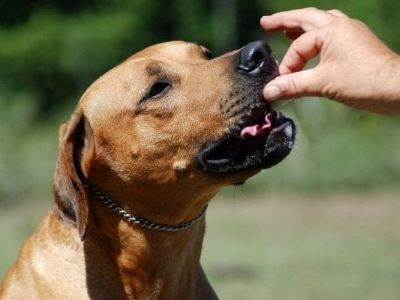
[109, 202]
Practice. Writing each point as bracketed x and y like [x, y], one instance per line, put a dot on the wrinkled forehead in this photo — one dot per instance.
[121, 87]
[172, 51]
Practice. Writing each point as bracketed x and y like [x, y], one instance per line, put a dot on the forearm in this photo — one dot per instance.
[390, 85]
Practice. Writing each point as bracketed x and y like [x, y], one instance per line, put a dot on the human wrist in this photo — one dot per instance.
[385, 93]
[390, 82]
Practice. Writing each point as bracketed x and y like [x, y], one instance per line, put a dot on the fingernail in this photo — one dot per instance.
[272, 92]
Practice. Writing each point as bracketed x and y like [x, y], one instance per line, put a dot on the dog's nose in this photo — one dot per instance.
[253, 57]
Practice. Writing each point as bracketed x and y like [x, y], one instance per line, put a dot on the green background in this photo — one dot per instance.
[341, 183]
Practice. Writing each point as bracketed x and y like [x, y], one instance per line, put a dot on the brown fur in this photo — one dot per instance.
[144, 155]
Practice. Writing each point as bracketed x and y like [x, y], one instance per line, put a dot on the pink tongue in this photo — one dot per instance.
[257, 129]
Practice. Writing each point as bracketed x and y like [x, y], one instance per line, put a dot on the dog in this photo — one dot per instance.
[148, 145]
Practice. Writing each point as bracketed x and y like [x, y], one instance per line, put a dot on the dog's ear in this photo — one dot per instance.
[76, 150]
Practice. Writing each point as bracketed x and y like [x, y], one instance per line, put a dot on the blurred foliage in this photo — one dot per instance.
[52, 50]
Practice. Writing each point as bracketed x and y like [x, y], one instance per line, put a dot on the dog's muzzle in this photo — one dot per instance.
[257, 137]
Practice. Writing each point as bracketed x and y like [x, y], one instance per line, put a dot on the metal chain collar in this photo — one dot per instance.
[108, 201]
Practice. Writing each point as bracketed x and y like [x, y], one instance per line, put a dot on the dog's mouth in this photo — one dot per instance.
[259, 141]
[259, 137]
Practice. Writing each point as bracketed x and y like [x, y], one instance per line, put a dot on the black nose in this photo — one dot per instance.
[253, 57]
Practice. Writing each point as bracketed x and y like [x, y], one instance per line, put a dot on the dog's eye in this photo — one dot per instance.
[158, 89]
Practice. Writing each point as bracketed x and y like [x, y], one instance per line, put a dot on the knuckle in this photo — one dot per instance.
[278, 15]
[335, 11]
[292, 89]
[321, 80]
[344, 24]
[313, 9]
[358, 23]
[295, 45]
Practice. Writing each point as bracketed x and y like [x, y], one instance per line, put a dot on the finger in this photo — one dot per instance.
[337, 13]
[305, 19]
[302, 49]
[293, 85]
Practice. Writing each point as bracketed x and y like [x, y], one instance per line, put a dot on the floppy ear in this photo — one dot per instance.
[76, 150]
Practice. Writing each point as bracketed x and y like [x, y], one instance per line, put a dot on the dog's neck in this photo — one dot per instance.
[151, 264]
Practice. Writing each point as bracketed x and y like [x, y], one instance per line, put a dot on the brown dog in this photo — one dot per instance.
[156, 137]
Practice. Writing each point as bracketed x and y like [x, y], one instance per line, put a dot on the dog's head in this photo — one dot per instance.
[171, 125]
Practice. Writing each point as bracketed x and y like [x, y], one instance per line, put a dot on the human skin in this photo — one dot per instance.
[355, 67]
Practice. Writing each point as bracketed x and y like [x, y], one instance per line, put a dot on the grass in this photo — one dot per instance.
[280, 247]
[342, 247]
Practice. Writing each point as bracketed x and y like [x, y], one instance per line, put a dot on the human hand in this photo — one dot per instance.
[355, 67]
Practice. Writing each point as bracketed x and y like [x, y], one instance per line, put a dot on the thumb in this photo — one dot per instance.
[292, 85]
